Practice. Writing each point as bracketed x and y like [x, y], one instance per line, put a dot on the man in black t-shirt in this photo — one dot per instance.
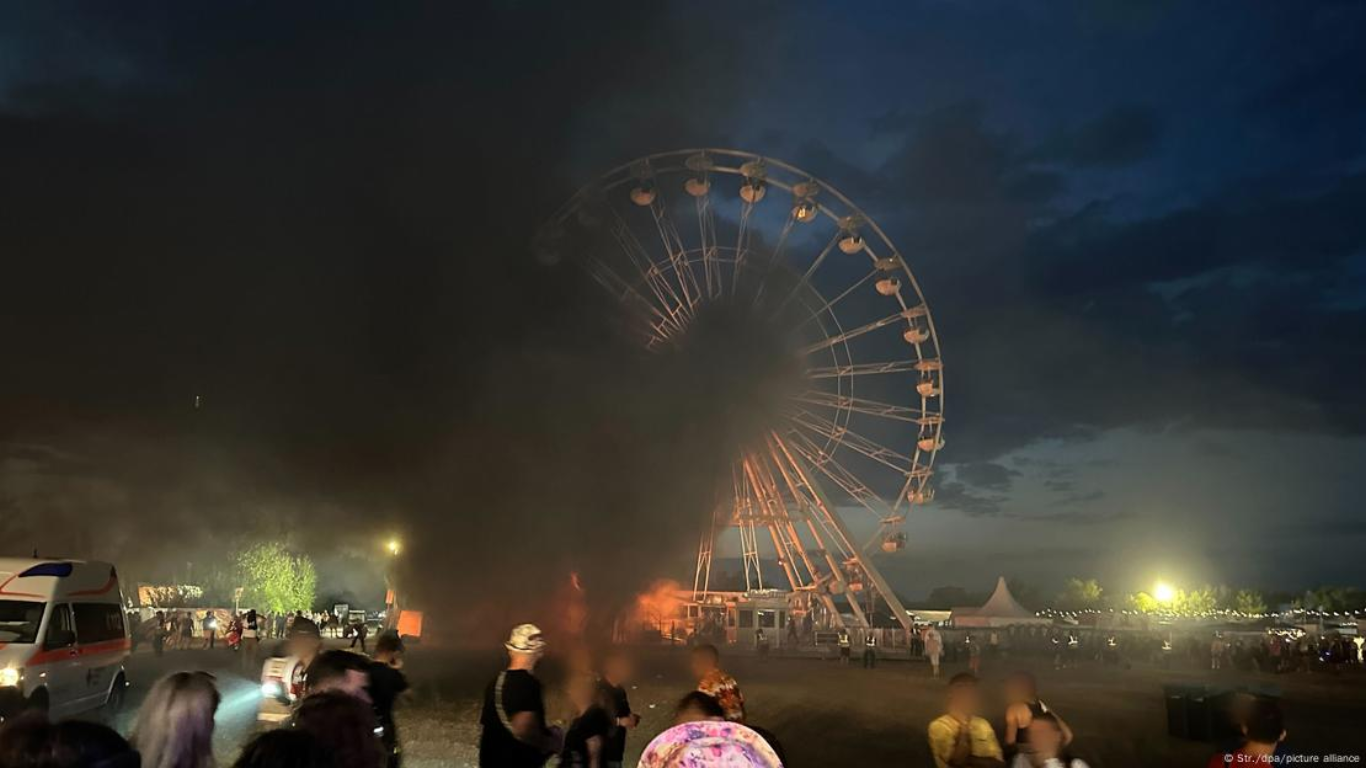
[386, 683]
[514, 732]
[616, 673]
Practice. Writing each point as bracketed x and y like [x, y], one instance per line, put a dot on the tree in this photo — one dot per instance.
[305, 584]
[1080, 594]
[1249, 601]
[1331, 599]
[1196, 601]
[1143, 603]
[275, 580]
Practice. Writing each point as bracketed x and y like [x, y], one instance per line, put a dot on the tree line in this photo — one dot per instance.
[272, 578]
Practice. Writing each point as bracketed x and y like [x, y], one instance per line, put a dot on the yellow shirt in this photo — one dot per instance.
[944, 734]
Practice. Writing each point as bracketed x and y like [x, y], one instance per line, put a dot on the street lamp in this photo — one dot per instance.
[1163, 592]
[391, 611]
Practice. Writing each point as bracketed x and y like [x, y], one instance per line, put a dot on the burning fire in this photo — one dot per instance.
[657, 607]
[573, 604]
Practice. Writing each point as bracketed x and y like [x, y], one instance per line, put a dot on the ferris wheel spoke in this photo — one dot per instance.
[862, 369]
[852, 333]
[806, 276]
[794, 452]
[741, 245]
[774, 259]
[673, 246]
[647, 268]
[827, 306]
[860, 405]
[706, 226]
[626, 293]
[846, 437]
[843, 479]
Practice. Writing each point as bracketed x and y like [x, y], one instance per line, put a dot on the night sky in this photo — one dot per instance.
[1141, 227]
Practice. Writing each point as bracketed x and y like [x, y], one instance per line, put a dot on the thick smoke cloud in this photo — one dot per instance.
[271, 276]
[315, 220]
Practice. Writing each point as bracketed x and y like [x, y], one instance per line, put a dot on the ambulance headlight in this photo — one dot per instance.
[271, 689]
[9, 677]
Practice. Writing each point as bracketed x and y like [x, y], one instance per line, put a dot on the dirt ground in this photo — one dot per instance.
[823, 714]
[828, 715]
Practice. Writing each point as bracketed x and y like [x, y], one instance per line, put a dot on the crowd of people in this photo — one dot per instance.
[336, 709]
[1036, 736]
[710, 727]
[1064, 647]
[1280, 653]
[342, 718]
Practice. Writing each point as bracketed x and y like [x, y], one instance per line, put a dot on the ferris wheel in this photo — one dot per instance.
[827, 305]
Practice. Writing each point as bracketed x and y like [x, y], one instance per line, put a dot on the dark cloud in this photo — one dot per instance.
[986, 475]
[1081, 498]
[1069, 325]
[1078, 516]
[961, 498]
[1122, 136]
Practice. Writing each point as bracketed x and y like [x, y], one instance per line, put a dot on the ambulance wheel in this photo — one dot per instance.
[118, 695]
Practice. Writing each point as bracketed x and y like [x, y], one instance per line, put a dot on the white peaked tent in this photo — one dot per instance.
[1000, 610]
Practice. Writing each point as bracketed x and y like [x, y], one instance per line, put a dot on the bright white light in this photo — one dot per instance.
[271, 690]
[1164, 592]
[394, 546]
[9, 677]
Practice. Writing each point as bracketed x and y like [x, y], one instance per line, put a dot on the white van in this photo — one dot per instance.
[63, 637]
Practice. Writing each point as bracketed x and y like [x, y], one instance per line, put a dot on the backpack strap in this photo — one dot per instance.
[498, 702]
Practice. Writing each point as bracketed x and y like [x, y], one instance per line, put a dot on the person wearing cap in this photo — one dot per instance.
[514, 732]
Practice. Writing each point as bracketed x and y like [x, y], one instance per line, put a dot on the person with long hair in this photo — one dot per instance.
[175, 724]
[345, 725]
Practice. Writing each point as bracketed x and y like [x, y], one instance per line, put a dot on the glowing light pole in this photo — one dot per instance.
[391, 609]
[1164, 593]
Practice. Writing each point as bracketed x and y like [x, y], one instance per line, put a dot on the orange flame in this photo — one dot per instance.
[658, 606]
[573, 607]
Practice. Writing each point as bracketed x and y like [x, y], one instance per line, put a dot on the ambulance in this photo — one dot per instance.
[63, 636]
